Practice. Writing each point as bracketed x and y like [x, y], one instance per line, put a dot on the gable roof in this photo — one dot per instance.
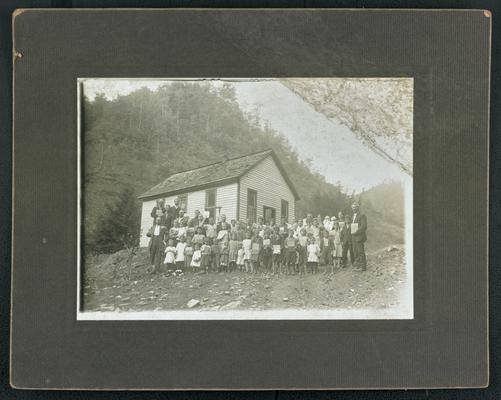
[217, 173]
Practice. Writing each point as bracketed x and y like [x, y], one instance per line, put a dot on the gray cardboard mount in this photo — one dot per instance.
[445, 345]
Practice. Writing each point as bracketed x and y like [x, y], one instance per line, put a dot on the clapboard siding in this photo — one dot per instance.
[271, 188]
[226, 198]
[146, 222]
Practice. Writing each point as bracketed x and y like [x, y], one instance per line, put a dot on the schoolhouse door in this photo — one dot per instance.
[269, 214]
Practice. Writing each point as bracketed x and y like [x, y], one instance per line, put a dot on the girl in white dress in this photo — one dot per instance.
[313, 253]
[181, 245]
[170, 255]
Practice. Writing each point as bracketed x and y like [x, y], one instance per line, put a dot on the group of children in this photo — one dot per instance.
[200, 245]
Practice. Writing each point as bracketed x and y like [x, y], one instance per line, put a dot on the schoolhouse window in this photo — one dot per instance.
[210, 202]
[284, 210]
[252, 205]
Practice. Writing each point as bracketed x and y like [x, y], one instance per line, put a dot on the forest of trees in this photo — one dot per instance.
[134, 141]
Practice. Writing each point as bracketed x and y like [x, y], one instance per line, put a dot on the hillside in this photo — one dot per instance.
[384, 207]
[136, 140]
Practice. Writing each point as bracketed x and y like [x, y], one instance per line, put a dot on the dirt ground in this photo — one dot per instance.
[112, 285]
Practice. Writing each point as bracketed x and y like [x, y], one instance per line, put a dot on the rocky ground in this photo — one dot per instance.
[112, 284]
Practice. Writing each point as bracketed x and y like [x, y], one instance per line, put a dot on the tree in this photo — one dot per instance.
[118, 227]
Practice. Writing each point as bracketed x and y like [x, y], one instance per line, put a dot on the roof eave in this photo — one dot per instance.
[145, 196]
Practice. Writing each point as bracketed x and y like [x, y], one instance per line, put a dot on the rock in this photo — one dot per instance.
[227, 293]
[285, 299]
[206, 299]
[193, 303]
[231, 305]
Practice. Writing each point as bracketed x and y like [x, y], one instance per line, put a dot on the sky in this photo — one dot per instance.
[334, 151]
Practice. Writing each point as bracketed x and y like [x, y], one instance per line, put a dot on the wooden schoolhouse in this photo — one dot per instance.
[243, 188]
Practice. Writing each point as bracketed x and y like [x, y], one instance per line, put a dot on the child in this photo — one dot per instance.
[240, 257]
[246, 245]
[180, 247]
[223, 261]
[170, 255]
[205, 261]
[267, 252]
[197, 258]
[326, 248]
[302, 244]
[276, 243]
[337, 252]
[214, 253]
[233, 250]
[181, 231]
[174, 230]
[313, 253]
[210, 228]
[188, 254]
[257, 247]
[240, 231]
[290, 252]
[198, 237]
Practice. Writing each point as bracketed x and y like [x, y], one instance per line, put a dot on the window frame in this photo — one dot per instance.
[212, 209]
[282, 202]
[250, 193]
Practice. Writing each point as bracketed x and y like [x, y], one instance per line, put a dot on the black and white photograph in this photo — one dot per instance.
[245, 198]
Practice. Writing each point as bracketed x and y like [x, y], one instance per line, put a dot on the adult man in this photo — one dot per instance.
[346, 241]
[182, 218]
[156, 235]
[359, 237]
[174, 210]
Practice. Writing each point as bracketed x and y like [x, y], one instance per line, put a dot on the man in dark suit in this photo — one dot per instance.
[359, 237]
[174, 210]
[158, 210]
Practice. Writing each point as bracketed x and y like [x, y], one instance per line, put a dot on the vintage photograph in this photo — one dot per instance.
[225, 198]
